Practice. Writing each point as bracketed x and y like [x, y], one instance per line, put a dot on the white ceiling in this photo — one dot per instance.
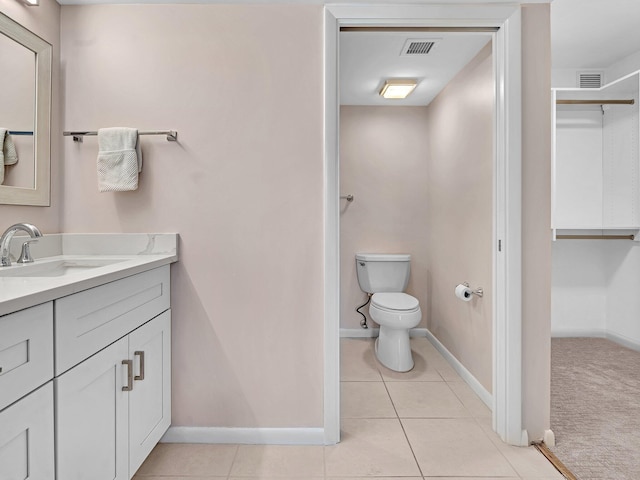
[368, 58]
[593, 33]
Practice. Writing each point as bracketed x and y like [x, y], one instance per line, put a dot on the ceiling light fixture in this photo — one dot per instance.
[32, 3]
[397, 88]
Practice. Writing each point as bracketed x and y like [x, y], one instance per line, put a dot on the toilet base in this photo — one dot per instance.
[393, 349]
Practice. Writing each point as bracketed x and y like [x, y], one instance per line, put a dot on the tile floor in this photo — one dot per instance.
[426, 423]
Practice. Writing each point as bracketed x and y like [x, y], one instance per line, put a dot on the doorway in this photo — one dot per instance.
[506, 356]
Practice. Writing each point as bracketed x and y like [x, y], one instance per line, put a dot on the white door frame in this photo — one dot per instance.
[507, 348]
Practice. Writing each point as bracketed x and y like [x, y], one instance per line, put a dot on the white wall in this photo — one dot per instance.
[579, 288]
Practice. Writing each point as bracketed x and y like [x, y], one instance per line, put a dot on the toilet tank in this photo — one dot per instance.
[382, 272]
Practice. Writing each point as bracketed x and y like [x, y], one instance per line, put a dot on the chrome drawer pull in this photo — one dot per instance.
[129, 386]
[141, 355]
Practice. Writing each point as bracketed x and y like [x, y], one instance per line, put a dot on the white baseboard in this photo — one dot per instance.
[623, 340]
[578, 332]
[359, 332]
[373, 332]
[466, 375]
[251, 436]
[549, 438]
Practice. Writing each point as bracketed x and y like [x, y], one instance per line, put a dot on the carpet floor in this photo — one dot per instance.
[595, 408]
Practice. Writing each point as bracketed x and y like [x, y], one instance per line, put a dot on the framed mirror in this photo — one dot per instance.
[25, 97]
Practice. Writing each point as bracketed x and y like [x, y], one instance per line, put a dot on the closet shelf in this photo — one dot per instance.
[595, 102]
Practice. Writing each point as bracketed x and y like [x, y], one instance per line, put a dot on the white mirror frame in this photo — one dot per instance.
[39, 195]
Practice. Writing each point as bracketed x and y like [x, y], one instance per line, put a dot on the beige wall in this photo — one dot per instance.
[242, 85]
[243, 187]
[44, 21]
[383, 163]
[536, 218]
[460, 215]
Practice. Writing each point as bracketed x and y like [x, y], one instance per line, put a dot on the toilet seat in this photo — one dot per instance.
[395, 302]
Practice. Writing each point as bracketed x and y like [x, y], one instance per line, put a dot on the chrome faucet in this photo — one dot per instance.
[5, 240]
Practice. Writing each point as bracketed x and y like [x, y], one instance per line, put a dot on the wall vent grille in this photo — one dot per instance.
[418, 47]
[590, 79]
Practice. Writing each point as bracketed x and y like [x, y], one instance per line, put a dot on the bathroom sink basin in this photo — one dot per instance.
[58, 268]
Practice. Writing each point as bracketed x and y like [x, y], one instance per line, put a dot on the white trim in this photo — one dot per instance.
[507, 348]
[359, 332]
[549, 438]
[466, 375]
[331, 234]
[507, 320]
[373, 332]
[252, 436]
[623, 340]
[578, 332]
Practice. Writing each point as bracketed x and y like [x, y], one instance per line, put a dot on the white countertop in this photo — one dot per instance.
[135, 253]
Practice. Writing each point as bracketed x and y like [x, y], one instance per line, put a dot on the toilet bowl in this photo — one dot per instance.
[385, 276]
[396, 313]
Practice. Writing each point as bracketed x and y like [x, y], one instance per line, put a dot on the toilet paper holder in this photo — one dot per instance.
[478, 291]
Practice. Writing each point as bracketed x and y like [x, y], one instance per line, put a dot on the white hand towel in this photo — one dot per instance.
[119, 159]
[8, 153]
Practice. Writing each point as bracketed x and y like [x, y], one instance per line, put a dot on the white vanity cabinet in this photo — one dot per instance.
[114, 376]
[114, 407]
[26, 394]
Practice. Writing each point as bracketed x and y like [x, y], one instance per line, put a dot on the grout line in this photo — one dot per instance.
[403, 430]
[235, 456]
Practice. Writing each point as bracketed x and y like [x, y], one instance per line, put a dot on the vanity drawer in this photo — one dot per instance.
[26, 351]
[90, 320]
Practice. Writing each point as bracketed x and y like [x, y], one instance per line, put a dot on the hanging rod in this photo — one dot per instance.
[595, 237]
[595, 102]
[172, 135]
[19, 132]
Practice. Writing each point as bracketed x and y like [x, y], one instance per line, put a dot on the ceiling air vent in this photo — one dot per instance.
[418, 46]
[590, 79]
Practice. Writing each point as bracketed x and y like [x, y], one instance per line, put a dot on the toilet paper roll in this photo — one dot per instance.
[464, 293]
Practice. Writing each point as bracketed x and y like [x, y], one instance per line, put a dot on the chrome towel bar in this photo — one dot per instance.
[172, 135]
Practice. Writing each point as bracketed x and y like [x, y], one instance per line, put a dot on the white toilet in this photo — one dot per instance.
[386, 276]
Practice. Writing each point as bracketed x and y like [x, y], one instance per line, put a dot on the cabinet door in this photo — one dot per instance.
[92, 434]
[150, 399]
[26, 437]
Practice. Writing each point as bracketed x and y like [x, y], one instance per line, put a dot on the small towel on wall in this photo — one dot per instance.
[8, 153]
[119, 159]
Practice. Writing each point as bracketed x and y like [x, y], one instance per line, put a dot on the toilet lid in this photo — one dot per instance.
[394, 301]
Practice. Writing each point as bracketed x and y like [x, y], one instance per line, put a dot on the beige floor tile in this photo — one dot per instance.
[423, 371]
[188, 460]
[371, 447]
[473, 478]
[455, 447]
[272, 478]
[386, 478]
[424, 347]
[188, 477]
[425, 400]
[278, 461]
[470, 400]
[365, 400]
[527, 461]
[357, 361]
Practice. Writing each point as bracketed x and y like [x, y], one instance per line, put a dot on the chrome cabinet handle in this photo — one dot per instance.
[141, 355]
[129, 386]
